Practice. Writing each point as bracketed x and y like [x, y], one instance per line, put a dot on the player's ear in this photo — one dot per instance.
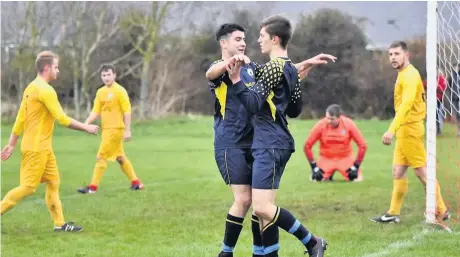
[275, 40]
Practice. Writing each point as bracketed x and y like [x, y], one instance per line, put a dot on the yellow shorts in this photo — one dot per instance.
[112, 144]
[38, 167]
[410, 151]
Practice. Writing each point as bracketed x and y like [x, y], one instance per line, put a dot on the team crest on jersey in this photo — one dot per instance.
[343, 132]
[110, 96]
[251, 72]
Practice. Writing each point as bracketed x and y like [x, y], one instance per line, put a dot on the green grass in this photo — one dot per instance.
[182, 210]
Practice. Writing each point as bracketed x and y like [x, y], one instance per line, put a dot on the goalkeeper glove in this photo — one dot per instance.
[353, 172]
[316, 172]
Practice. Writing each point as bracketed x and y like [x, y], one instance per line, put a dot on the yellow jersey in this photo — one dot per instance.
[409, 104]
[111, 103]
[39, 109]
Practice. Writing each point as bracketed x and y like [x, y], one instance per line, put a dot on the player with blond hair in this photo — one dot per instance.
[408, 126]
[39, 109]
[113, 106]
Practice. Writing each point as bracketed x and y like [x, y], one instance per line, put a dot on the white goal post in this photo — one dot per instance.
[431, 72]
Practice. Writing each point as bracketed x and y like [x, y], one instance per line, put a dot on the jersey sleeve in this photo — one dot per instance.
[97, 103]
[49, 98]
[254, 97]
[257, 69]
[215, 83]
[18, 126]
[124, 101]
[358, 137]
[313, 137]
[295, 105]
[409, 84]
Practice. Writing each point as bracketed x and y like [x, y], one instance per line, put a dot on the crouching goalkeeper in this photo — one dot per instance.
[335, 133]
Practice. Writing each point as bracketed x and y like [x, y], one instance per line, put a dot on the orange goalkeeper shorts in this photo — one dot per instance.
[331, 165]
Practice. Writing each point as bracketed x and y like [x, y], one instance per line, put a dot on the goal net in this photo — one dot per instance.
[443, 106]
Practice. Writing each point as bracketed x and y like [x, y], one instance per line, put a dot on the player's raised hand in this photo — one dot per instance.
[92, 129]
[127, 135]
[234, 71]
[321, 59]
[387, 138]
[6, 152]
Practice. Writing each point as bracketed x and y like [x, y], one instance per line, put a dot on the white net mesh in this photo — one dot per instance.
[448, 112]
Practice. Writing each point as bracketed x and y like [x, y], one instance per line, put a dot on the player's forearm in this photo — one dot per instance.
[251, 100]
[361, 153]
[92, 117]
[76, 125]
[13, 139]
[307, 149]
[216, 70]
[399, 117]
[127, 121]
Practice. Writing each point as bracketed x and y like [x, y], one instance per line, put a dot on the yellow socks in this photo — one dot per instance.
[400, 187]
[440, 205]
[128, 169]
[54, 203]
[99, 169]
[14, 196]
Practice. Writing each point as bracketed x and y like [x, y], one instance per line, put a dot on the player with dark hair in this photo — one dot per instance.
[276, 94]
[113, 106]
[234, 132]
[408, 125]
[39, 109]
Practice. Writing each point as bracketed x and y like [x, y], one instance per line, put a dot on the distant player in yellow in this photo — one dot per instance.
[35, 120]
[408, 126]
[113, 106]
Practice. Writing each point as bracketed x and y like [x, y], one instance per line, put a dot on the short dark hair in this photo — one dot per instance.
[226, 29]
[334, 110]
[279, 26]
[43, 59]
[107, 67]
[401, 44]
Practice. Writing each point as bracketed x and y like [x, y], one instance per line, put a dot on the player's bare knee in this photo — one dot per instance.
[421, 172]
[244, 201]
[399, 172]
[120, 159]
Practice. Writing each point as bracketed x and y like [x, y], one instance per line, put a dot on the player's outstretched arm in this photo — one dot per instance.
[305, 66]
[49, 98]
[253, 97]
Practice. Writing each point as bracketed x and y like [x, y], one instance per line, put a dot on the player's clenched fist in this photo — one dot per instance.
[387, 138]
[92, 129]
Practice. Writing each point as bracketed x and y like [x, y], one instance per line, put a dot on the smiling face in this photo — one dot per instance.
[234, 43]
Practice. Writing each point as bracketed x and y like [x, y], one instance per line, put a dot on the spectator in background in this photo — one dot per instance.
[335, 133]
[440, 89]
[454, 85]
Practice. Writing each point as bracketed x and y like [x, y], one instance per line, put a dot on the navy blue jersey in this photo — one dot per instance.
[275, 94]
[232, 122]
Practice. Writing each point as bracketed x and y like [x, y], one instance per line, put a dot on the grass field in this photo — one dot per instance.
[182, 210]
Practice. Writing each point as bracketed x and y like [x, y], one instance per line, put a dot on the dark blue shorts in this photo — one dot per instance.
[268, 167]
[234, 165]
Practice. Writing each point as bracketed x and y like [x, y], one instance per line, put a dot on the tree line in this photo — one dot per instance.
[162, 50]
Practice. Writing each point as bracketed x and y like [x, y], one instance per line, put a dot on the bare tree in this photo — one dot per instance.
[143, 31]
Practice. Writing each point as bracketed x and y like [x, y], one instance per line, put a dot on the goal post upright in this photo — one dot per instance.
[431, 71]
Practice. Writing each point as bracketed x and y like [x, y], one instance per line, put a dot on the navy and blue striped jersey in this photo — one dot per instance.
[232, 122]
[275, 94]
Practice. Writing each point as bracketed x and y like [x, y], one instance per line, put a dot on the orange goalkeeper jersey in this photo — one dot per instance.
[111, 103]
[409, 103]
[335, 143]
[35, 119]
